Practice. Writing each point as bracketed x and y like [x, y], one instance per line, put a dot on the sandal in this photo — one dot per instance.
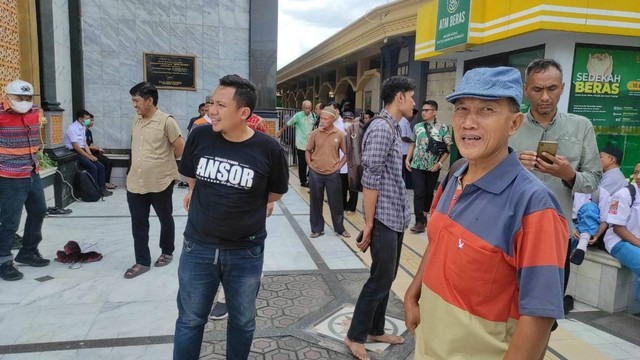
[135, 270]
[315, 235]
[345, 234]
[163, 260]
[110, 186]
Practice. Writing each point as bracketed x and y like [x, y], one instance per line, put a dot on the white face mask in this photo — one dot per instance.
[21, 106]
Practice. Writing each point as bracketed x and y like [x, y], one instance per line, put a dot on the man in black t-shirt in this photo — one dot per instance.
[235, 174]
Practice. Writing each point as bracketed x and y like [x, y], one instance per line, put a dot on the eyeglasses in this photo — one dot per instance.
[427, 110]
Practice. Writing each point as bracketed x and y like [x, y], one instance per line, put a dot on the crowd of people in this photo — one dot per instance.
[503, 225]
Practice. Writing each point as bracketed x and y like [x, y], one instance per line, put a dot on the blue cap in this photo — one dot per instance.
[489, 84]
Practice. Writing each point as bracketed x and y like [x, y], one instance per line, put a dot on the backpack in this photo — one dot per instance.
[353, 139]
[632, 192]
[85, 187]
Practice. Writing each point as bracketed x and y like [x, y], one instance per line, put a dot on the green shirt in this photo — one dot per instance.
[304, 125]
[422, 158]
[576, 141]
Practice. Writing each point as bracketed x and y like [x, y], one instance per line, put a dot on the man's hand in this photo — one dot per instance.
[411, 314]
[366, 238]
[93, 158]
[187, 199]
[559, 167]
[270, 208]
[101, 150]
[407, 164]
[528, 159]
[435, 167]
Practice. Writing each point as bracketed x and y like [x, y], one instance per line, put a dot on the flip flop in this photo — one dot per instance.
[163, 260]
[135, 270]
[315, 235]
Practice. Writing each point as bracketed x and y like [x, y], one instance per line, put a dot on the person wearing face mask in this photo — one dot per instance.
[20, 183]
[75, 139]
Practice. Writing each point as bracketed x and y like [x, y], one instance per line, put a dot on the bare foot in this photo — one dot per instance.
[387, 338]
[357, 349]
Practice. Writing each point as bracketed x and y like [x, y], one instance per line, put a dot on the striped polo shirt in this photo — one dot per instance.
[497, 251]
[19, 143]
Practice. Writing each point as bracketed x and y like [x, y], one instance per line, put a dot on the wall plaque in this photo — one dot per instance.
[166, 71]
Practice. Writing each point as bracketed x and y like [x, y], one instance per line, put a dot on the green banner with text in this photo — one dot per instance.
[452, 25]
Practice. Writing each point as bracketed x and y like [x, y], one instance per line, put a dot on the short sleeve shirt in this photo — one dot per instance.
[75, 134]
[622, 212]
[233, 181]
[422, 158]
[325, 149]
[304, 125]
[153, 163]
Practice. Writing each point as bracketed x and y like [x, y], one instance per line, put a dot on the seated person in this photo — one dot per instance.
[99, 153]
[75, 139]
[622, 239]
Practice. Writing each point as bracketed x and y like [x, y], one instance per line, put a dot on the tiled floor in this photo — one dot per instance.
[92, 312]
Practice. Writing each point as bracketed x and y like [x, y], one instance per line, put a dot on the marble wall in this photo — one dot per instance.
[60, 10]
[116, 33]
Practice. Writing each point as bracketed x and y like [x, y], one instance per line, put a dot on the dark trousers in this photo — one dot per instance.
[352, 203]
[95, 169]
[139, 207]
[406, 174]
[108, 165]
[317, 186]
[368, 316]
[302, 166]
[424, 185]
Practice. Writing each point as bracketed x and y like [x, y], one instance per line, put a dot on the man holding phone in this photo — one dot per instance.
[575, 167]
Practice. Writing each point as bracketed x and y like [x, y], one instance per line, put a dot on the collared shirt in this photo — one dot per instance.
[304, 125]
[76, 133]
[624, 213]
[487, 269]
[153, 163]
[324, 147]
[19, 143]
[382, 164]
[576, 141]
[422, 158]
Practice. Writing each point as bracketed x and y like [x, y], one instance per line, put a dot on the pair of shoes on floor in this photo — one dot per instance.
[316, 234]
[32, 258]
[56, 211]
[8, 272]
[219, 311]
[577, 257]
[106, 193]
[110, 186]
[417, 228]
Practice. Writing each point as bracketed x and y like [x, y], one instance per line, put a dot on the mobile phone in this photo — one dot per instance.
[550, 147]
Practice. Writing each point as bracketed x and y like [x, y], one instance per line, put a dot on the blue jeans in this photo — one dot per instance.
[15, 193]
[202, 269]
[629, 256]
[369, 313]
[95, 169]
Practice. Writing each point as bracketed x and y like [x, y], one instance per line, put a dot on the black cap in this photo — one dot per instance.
[348, 114]
[613, 151]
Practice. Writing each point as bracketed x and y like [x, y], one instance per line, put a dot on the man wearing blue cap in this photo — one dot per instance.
[490, 282]
[576, 166]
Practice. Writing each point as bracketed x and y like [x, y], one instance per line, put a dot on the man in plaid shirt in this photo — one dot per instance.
[386, 213]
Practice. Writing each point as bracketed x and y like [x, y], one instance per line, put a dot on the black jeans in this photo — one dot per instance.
[317, 186]
[139, 207]
[302, 166]
[352, 203]
[368, 316]
[108, 164]
[424, 185]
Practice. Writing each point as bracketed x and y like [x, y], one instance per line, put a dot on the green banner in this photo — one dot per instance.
[605, 88]
[452, 25]
[605, 85]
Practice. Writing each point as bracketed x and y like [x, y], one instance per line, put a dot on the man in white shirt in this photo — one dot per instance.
[75, 140]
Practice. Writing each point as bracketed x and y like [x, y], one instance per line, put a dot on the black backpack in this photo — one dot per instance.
[85, 187]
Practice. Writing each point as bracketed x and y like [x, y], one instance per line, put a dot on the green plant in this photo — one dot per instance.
[45, 161]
